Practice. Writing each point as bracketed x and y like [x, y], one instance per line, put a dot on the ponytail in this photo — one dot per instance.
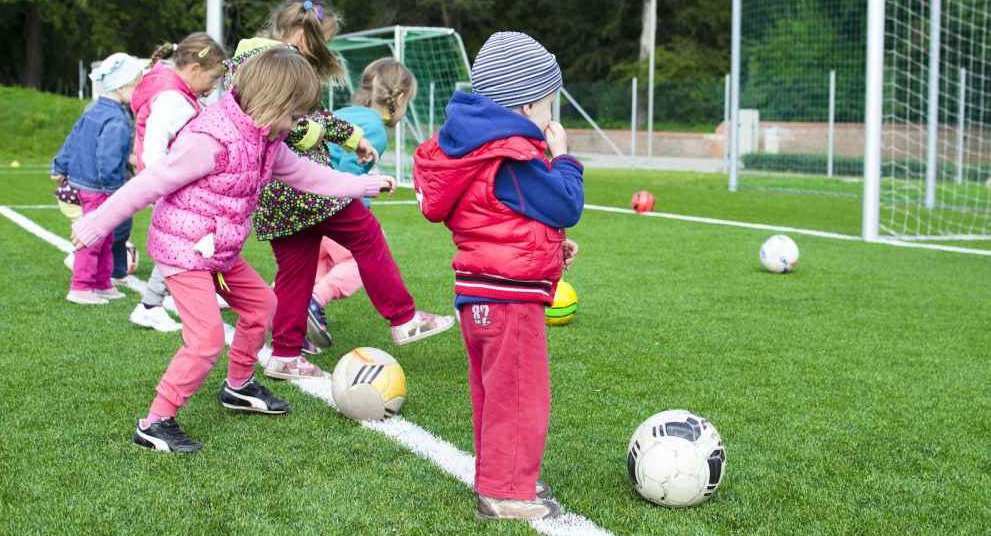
[319, 24]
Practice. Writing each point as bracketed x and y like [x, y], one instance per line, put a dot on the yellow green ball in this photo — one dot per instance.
[565, 305]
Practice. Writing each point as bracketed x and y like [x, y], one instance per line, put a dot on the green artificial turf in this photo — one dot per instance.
[852, 395]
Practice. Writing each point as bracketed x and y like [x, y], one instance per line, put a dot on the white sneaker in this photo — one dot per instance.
[70, 260]
[421, 326]
[86, 297]
[131, 283]
[291, 369]
[110, 293]
[155, 318]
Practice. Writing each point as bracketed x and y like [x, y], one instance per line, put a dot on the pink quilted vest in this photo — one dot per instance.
[221, 203]
[160, 78]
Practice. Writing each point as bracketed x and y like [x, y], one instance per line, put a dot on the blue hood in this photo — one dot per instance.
[474, 120]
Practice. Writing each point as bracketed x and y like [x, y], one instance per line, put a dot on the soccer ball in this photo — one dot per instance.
[643, 201]
[676, 459]
[368, 384]
[779, 254]
[565, 305]
[133, 258]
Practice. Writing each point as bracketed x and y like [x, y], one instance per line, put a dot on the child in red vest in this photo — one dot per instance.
[486, 176]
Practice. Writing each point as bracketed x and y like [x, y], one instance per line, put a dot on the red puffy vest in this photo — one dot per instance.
[502, 254]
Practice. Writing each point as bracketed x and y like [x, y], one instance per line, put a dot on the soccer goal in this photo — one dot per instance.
[881, 101]
[438, 59]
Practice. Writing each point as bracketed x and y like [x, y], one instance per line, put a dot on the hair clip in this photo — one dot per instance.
[202, 54]
[318, 8]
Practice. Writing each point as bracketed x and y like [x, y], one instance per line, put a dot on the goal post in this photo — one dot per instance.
[886, 102]
[437, 58]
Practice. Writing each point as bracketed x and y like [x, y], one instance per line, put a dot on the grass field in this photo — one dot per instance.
[852, 395]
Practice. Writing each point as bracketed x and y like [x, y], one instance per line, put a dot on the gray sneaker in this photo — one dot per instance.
[544, 491]
[492, 508]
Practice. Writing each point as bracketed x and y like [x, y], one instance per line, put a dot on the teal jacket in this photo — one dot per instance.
[375, 133]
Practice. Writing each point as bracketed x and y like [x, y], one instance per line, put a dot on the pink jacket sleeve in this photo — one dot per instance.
[192, 157]
[321, 180]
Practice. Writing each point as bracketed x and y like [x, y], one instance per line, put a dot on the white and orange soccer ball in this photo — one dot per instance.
[368, 385]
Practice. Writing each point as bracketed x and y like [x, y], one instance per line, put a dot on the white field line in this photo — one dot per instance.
[443, 454]
[793, 230]
[33, 207]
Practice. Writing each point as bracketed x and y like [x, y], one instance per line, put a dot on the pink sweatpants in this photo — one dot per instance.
[93, 265]
[510, 395]
[203, 330]
[337, 273]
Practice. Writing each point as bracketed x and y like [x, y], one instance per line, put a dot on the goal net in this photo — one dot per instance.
[936, 134]
[803, 100]
[437, 58]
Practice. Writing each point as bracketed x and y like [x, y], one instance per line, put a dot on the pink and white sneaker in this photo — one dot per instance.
[421, 326]
[291, 369]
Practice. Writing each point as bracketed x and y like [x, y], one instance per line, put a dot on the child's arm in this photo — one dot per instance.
[323, 126]
[60, 164]
[169, 113]
[553, 196]
[322, 180]
[113, 146]
[193, 157]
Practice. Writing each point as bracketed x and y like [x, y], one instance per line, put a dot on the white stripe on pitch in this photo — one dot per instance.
[444, 455]
[793, 230]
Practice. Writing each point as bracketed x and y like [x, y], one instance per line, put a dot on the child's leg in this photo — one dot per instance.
[296, 261]
[359, 232]
[254, 302]
[87, 272]
[155, 291]
[509, 380]
[119, 263]
[202, 336]
[337, 273]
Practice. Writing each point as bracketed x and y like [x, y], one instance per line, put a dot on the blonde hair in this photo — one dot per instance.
[386, 83]
[276, 83]
[319, 24]
[198, 48]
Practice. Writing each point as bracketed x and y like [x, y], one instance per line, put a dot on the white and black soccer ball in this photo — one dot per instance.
[676, 459]
[779, 254]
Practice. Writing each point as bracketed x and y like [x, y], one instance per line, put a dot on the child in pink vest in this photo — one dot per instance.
[486, 176]
[164, 101]
[204, 191]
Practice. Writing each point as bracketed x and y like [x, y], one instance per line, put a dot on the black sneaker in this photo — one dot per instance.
[316, 325]
[252, 396]
[165, 436]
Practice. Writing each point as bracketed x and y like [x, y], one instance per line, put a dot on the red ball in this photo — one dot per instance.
[643, 201]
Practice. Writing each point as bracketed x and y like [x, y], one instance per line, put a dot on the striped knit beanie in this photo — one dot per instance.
[513, 69]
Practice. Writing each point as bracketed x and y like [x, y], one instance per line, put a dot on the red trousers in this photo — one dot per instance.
[296, 259]
[510, 395]
[94, 265]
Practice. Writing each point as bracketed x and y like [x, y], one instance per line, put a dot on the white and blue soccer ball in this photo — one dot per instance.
[779, 254]
[676, 459]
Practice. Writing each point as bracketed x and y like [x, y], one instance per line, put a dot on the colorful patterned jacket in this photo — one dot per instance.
[284, 210]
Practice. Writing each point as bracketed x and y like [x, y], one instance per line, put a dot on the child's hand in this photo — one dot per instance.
[366, 153]
[570, 252]
[57, 177]
[387, 185]
[557, 139]
[76, 243]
